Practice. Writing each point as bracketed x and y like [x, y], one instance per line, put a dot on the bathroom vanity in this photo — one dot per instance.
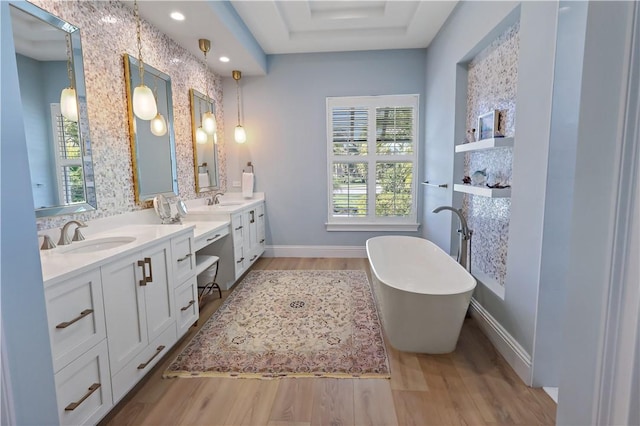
[247, 242]
[116, 303]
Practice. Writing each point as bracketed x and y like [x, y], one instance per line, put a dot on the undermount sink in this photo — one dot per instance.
[98, 244]
[229, 203]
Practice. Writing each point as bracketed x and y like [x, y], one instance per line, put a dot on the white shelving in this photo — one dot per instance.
[203, 262]
[483, 191]
[485, 144]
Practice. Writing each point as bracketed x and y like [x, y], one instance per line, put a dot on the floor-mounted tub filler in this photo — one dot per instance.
[422, 293]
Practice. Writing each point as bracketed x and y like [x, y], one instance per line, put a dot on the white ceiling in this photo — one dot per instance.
[298, 26]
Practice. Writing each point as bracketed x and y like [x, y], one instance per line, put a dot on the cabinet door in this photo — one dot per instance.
[75, 315]
[158, 293]
[238, 230]
[124, 305]
[252, 221]
[187, 305]
[260, 219]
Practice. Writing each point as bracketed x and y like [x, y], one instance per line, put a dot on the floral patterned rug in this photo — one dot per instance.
[290, 324]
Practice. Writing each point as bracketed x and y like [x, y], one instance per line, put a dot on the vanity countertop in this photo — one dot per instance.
[57, 265]
[229, 203]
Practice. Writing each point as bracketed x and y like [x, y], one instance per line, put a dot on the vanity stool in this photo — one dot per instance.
[207, 271]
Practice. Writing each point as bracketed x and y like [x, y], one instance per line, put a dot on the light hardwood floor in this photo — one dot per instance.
[471, 386]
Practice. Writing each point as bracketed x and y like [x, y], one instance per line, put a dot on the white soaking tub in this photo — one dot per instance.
[422, 293]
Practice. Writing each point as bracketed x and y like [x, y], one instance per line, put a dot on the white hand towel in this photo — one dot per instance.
[247, 185]
[203, 179]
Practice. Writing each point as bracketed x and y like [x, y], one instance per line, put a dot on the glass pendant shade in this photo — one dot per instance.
[201, 136]
[209, 123]
[240, 135]
[158, 125]
[68, 104]
[144, 103]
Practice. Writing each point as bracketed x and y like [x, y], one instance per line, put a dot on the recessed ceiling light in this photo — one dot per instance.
[177, 16]
[224, 59]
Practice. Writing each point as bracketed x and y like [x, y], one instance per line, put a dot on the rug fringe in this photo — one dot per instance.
[187, 374]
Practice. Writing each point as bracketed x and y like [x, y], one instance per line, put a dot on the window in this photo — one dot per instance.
[372, 162]
[68, 158]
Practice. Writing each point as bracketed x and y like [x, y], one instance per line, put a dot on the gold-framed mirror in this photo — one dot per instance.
[153, 156]
[49, 59]
[205, 147]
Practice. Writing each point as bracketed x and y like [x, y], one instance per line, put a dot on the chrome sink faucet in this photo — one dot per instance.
[215, 198]
[464, 248]
[77, 236]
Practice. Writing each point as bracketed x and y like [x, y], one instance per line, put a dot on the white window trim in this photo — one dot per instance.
[372, 223]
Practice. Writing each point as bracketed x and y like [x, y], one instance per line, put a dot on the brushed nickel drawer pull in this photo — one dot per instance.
[158, 350]
[239, 228]
[186, 256]
[262, 241]
[213, 238]
[78, 318]
[253, 258]
[240, 261]
[261, 215]
[147, 260]
[188, 306]
[94, 387]
[143, 281]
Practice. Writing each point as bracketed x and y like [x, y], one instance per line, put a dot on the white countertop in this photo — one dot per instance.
[57, 265]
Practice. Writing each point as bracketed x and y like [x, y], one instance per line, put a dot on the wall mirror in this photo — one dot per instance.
[49, 59]
[154, 157]
[205, 147]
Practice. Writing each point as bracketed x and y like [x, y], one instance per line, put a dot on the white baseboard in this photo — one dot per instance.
[315, 251]
[504, 343]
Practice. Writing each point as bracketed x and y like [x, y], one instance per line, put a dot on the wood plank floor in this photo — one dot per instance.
[471, 386]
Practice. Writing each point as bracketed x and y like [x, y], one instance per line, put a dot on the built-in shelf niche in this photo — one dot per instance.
[483, 191]
[485, 144]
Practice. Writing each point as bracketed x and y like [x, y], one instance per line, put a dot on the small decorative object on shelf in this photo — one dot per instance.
[471, 136]
[479, 177]
[498, 186]
[466, 180]
[489, 125]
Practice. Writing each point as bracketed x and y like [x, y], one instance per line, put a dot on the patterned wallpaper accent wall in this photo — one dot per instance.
[108, 31]
[492, 78]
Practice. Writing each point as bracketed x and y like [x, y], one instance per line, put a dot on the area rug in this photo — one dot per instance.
[319, 323]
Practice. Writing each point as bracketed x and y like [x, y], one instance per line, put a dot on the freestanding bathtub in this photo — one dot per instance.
[422, 293]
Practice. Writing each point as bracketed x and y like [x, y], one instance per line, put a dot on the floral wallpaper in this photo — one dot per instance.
[492, 78]
[108, 31]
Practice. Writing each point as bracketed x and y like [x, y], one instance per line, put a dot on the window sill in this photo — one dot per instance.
[363, 227]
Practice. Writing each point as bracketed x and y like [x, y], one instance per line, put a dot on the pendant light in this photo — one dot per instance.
[144, 103]
[201, 136]
[158, 123]
[209, 124]
[239, 135]
[68, 102]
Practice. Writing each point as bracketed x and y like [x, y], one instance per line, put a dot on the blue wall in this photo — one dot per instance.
[285, 118]
[24, 317]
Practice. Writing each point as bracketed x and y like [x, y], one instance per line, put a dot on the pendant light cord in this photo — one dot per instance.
[206, 82]
[238, 98]
[139, 41]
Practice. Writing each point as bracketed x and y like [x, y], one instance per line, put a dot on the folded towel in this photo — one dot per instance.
[247, 185]
[203, 179]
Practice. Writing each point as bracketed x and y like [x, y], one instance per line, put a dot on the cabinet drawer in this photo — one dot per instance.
[75, 315]
[187, 305]
[137, 368]
[210, 237]
[183, 258]
[83, 388]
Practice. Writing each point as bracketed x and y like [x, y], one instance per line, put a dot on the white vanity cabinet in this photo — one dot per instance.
[140, 314]
[76, 322]
[243, 247]
[248, 237]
